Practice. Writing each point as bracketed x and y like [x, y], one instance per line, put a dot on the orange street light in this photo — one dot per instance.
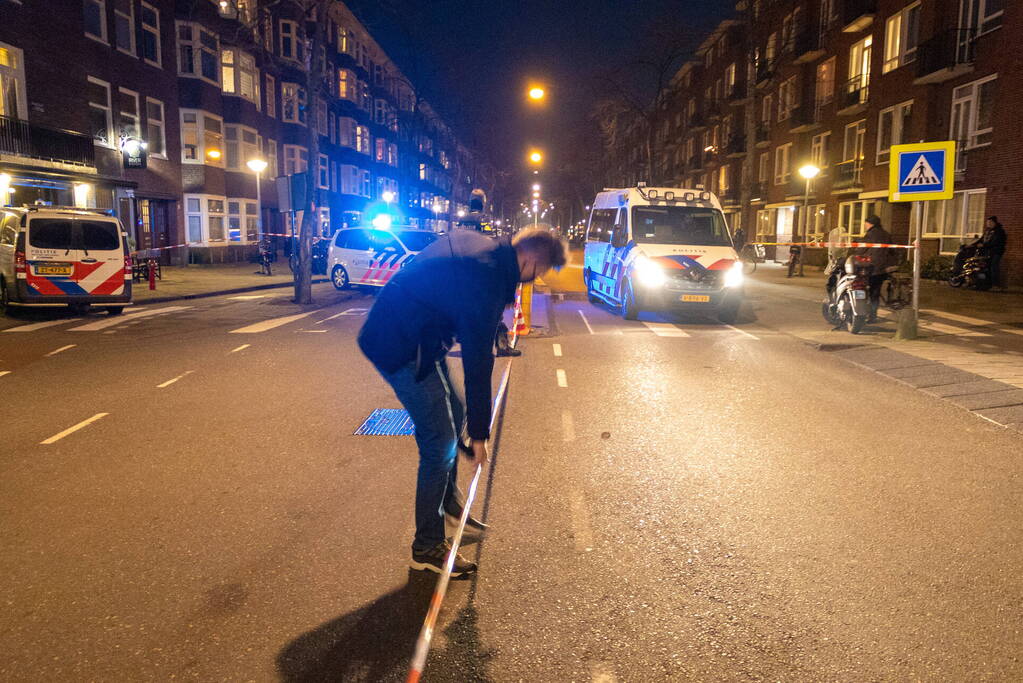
[535, 157]
[536, 93]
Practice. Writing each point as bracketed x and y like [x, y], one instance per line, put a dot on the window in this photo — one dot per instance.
[786, 98]
[240, 145]
[982, 15]
[900, 38]
[347, 85]
[350, 179]
[859, 69]
[323, 177]
[972, 106]
[150, 19]
[202, 138]
[956, 219]
[270, 154]
[96, 19]
[852, 144]
[204, 217]
[241, 220]
[392, 154]
[12, 83]
[765, 111]
[156, 129]
[128, 114]
[892, 126]
[332, 126]
[772, 48]
[239, 75]
[363, 140]
[293, 103]
[380, 153]
[812, 221]
[290, 46]
[783, 164]
[124, 26]
[271, 96]
[380, 111]
[100, 121]
[346, 131]
[723, 178]
[296, 159]
[321, 116]
[825, 84]
[198, 53]
[765, 168]
[852, 214]
[820, 151]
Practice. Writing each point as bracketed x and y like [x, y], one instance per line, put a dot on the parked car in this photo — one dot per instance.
[370, 257]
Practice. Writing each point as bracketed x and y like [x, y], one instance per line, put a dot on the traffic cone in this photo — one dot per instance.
[521, 329]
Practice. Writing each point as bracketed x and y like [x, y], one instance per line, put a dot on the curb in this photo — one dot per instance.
[219, 292]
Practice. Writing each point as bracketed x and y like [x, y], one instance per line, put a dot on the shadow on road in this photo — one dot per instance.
[375, 642]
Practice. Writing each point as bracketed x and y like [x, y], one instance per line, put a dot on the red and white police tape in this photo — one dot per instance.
[870, 245]
[207, 243]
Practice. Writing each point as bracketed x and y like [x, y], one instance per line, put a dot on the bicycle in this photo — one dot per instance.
[265, 257]
[751, 255]
[897, 291]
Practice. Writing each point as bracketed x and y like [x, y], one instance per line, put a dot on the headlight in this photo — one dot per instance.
[648, 273]
[734, 276]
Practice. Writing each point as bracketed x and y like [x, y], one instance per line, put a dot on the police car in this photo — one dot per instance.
[370, 257]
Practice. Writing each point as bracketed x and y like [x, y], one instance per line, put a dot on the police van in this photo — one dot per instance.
[369, 257]
[59, 256]
[661, 248]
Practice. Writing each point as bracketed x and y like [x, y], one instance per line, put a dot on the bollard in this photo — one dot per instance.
[151, 267]
[527, 308]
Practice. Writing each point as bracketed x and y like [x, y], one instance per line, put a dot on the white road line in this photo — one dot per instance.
[38, 326]
[314, 331]
[72, 430]
[967, 319]
[240, 348]
[567, 426]
[4, 372]
[557, 350]
[173, 380]
[63, 348]
[562, 378]
[743, 332]
[582, 533]
[354, 311]
[330, 318]
[930, 325]
[270, 324]
[247, 297]
[665, 330]
[112, 320]
[588, 327]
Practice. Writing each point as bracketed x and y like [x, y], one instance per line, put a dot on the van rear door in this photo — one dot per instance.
[99, 269]
[50, 257]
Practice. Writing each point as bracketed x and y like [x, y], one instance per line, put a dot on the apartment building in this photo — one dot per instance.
[153, 108]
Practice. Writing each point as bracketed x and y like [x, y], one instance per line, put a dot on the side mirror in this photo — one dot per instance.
[619, 237]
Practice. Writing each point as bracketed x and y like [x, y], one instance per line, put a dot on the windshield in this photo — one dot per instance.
[679, 225]
[417, 240]
[49, 233]
[100, 235]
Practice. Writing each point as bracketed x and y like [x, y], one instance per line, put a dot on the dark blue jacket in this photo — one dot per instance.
[456, 287]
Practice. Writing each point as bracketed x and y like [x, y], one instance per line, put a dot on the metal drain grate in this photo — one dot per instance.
[387, 422]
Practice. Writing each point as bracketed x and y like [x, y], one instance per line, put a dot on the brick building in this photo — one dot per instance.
[836, 83]
[205, 86]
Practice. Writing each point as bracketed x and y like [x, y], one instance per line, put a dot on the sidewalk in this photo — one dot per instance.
[195, 281]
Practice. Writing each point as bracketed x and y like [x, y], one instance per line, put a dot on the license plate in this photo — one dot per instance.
[859, 294]
[53, 270]
[693, 298]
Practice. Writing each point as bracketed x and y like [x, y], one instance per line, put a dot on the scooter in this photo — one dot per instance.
[847, 303]
[971, 268]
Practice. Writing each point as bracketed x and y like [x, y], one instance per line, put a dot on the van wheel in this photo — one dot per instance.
[115, 310]
[630, 309]
[339, 278]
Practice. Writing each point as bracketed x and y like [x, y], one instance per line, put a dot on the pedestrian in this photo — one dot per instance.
[993, 244]
[456, 288]
[739, 240]
[879, 260]
[795, 256]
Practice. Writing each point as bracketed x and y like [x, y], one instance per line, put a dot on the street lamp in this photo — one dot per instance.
[387, 196]
[536, 186]
[535, 157]
[536, 93]
[257, 166]
[536, 195]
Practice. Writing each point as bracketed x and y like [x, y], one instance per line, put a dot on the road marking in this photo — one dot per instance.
[38, 326]
[63, 348]
[314, 331]
[665, 330]
[240, 348]
[562, 378]
[135, 315]
[330, 318]
[175, 379]
[602, 674]
[588, 327]
[582, 533]
[72, 430]
[951, 329]
[557, 350]
[355, 311]
[968, 319]
[567, 426]
[270, 324]
[4, 372]
[247, 297]
[744, 332]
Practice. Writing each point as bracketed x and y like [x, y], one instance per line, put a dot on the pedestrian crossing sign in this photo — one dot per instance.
[921, 171]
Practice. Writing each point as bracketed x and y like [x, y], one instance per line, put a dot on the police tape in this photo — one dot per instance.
[209, 242]
[870, 245]
[426, 634]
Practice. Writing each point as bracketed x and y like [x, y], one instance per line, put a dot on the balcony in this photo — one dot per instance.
[713, 110]
[858, 15]
[728, 196]
[807, 46]
[805, 118]
[737, 93]
[763, 133]
[758, 192]
[696, 162]
[945, 56]
[697, 121]
[23, 139]
[849, 176]
[736, 147]
[765, 71]
[854, 96]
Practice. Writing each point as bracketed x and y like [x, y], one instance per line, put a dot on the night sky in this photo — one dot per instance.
[474, 59]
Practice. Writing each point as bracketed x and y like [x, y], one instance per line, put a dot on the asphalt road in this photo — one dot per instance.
[670, 500]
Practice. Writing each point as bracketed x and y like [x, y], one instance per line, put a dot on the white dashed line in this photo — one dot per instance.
[582, 533]
[562, 378]
[314, 331]
[247, 297]
[588, 327]
[240, 348]
[63, 348]
[567, 426]
[72, 430]
[557, 350]
[742, 332]
[173, 380]
[38, 326]
[136, 314]
[270, 324]
[665, 330]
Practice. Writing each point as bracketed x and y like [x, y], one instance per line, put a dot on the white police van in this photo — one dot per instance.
[370, 257]
[662, 248]
[60, 256]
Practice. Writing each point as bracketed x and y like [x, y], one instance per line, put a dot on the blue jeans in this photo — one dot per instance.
[437, 414]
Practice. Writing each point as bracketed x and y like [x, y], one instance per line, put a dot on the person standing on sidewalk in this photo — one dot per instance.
[993, 244]
[879, 260]
[457, 287]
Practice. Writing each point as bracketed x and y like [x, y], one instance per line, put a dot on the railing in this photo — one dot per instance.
[962, 156]
[807, 41]
[757, 191]
[763, 132]
[37, 142]
[697, 120]
[729, 195]
[713, 109]
[946, 50]
[696, 161]
[854, 9]
[856, 91]
[765, 70]
[736, 91]
[848, 173]
[736, 144]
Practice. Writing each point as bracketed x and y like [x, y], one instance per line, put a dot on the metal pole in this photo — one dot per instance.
[917, 233]
[259, 209]
[806, 225]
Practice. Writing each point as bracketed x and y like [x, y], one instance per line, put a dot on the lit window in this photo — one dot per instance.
[900, 38]
[239, 75]
[202, 138]
[12, 83]
[293, 103]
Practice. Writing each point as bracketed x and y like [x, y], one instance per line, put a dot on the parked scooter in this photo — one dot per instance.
[847, 303]
[971, 267]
